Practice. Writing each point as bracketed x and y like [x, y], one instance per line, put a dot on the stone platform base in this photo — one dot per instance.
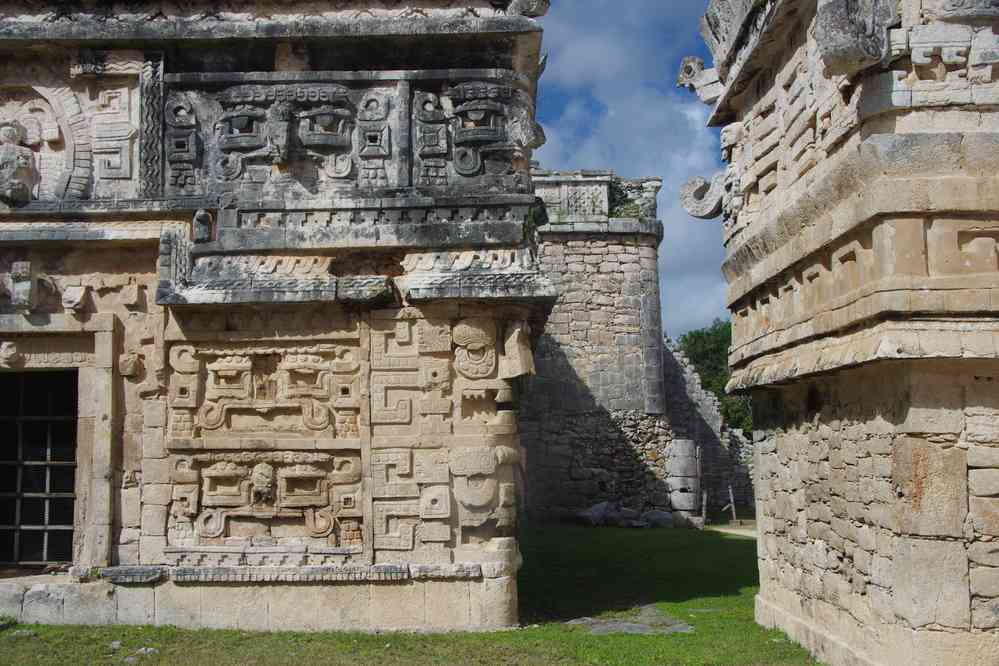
[835, 638]
[413, 605]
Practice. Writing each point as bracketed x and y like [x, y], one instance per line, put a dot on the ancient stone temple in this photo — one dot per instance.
[266, 277]
[860, 213]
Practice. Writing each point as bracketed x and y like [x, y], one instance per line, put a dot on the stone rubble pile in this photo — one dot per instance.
[613, 514]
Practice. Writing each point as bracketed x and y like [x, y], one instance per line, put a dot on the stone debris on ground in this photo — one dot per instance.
[21, 633]
[647, 621]
[612, 514]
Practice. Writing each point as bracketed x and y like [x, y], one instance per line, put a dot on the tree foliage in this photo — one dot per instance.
[707, 349]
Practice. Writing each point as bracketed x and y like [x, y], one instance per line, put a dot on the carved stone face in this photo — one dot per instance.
[301, 141]
[271, 129]
[480, 129]
[18, 174]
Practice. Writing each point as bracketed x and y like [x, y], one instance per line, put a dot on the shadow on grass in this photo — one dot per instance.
[568, 574]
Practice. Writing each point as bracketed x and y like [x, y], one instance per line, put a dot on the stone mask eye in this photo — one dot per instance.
[240, 130]
[326, 121]
[327, 127]
[241, 124]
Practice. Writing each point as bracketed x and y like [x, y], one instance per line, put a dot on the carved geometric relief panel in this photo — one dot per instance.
[396, 438]
[267, 396]
[268, 498]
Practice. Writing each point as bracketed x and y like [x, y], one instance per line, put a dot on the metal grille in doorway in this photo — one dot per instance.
[38, 419]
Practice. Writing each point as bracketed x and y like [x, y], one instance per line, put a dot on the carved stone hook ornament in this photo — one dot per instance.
[702, 199]
[9, 355]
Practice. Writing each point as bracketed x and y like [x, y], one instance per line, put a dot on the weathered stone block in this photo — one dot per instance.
[931, 583]
[398, 605]
[985, 613]
[12, 598]
[154, 520]
[153, 443]
[936, 406]
[90, 603]
[448, 603]
[494, 603]
[243, 607]
[983, 456]
[178, 605]
[154, 413]
[151, 549]
[158, 494]
[136, 604]
[985, 515]
[933, 484]
[985, 553]
[156, 470]
[43, 604]
[131, 507]
[985, 582]
[983, 482]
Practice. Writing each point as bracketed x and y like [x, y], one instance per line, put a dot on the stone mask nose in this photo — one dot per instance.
[279, 133]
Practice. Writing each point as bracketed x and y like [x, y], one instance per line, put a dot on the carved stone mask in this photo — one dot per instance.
[263, 126]
[18, 173]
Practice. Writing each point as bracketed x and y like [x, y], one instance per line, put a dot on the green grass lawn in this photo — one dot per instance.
[705, 579]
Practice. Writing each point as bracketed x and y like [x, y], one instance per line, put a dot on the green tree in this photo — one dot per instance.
[707, 349]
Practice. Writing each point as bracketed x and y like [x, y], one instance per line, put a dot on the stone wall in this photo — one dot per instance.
[288, 252]
[877, 512]
[603, 420]
[859, 224]
[695, 414]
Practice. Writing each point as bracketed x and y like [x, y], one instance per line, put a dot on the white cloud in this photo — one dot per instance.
[608, 101]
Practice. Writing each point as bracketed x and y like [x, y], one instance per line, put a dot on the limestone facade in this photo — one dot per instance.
[860, 255]
[293, 279]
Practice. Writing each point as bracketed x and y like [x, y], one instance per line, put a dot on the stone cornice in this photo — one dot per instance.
[89, 28]
[925, 338]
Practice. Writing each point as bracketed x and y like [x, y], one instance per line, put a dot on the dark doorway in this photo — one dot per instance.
[38, 412]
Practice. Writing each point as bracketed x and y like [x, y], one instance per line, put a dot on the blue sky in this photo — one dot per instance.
[609, 101]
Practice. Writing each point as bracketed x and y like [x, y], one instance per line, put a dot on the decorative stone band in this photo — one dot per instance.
[251, 279]
[483, 273]
[953, 338]
[406, 222]
[97, 207]
[520, 286]
[886, 175]
[613, 226]
[145, 575]
[372, 289]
